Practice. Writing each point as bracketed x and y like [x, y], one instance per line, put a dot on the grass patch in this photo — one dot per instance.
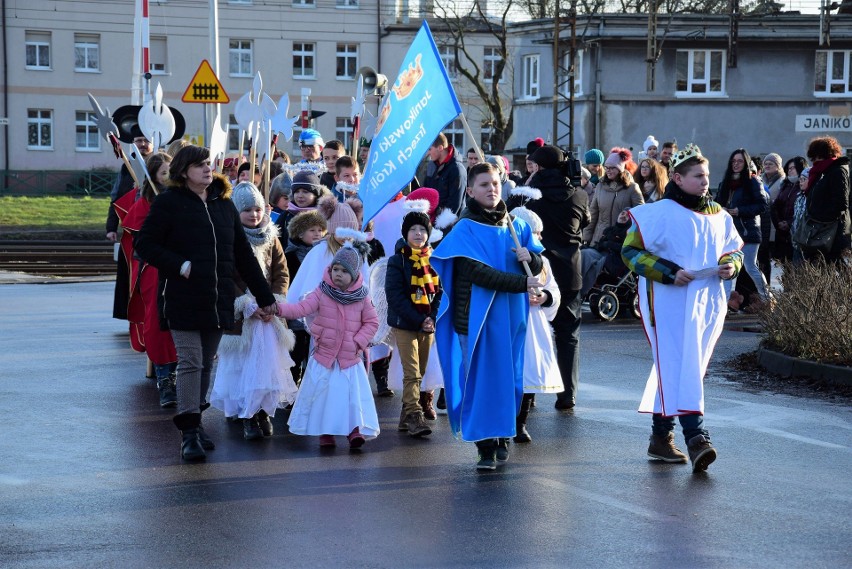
[53, 212]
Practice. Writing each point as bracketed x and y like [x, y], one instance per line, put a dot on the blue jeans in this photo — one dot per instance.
[750, 267]
[692, 425]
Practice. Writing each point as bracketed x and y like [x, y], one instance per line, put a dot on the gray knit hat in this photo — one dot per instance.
[246, 196]
[351, 257]
[773, 157]
[279, 187]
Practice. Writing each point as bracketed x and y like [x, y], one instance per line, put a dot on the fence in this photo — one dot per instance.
[56, 182]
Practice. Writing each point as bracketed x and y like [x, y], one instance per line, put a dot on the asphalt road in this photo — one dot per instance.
[90, 474]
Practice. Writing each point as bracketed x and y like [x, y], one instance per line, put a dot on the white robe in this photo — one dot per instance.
[682, 323]
[541, 372]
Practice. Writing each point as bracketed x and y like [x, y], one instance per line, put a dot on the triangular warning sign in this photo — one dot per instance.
[205, 87]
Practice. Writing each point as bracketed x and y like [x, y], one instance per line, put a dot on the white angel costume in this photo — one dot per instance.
[541, 372]
[682, 323]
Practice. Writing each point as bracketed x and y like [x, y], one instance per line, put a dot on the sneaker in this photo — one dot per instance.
[327, 441]
[251, 429]
[417, 425]
[264, 422]
[502, 454]
[701, 453]
[403, 421]
[487, 455]
[356, 439]
[663, 448]
[167, 392]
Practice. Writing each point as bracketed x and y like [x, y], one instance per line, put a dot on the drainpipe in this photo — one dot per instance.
[5, 96]
[598, 71]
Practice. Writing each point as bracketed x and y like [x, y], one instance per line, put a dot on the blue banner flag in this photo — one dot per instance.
[420, 103]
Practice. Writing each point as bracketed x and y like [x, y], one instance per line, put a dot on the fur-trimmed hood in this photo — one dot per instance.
[219, 187]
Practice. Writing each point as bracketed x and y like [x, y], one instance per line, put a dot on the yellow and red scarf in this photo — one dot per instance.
[424, 279]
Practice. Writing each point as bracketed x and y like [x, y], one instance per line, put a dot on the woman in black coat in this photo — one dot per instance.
[193, 235]
[828, 195]
[564, 212]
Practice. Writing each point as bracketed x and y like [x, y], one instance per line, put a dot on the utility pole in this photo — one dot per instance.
[733, 33]
[651, 56]
[563, 78]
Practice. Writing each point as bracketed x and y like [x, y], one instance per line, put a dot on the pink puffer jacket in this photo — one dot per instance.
[340, 331]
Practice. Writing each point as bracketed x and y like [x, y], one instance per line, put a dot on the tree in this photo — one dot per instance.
[491, 79]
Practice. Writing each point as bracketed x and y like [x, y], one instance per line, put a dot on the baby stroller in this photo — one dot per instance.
[612, 293]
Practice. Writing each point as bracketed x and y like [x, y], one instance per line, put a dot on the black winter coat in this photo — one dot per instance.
[450, 179]
[401, 311]
[564, 212]
[751, 202]
[181, 227]
[828, 200]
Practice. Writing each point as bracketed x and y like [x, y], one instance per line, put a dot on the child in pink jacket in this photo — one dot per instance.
[335, 396]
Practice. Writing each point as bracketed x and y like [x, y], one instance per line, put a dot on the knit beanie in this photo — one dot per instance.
[310, 137]
[530, 217]
[338, 214]
[245, 167]
[246, 196]
[649, 142]
[280, 186]
[594, 156]
[306, 180]
[418, 214]
[534, 145]
[301, 222]
[547, 157]
[773, 157]
[350, 258]
[429, 194]
[585, 173]
[618, 159]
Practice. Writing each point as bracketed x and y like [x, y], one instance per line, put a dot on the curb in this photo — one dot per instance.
[788, 366]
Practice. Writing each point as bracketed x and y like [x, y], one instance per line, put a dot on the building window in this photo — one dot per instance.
[87, 138]
[343, 131]
[448, 58]
[233, 134]
[832, 73]
[700, 72]
[565, 80]
[87, 53]
[38, 50]
[239, 1]
[297, 131]
[240, 58]
[530, 77]
[347, 3]
[303, 60]
[304, 3]
[485, 132]
[347, 60]
[157, 55]
[455, 134]
[490, 61]
[39, 129]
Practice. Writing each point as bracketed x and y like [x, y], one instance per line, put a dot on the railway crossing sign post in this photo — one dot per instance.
[205, 87]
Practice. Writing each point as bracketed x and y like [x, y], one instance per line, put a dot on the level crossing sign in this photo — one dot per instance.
[205, 87]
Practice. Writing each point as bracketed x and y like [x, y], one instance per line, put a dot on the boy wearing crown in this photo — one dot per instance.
[682, 247]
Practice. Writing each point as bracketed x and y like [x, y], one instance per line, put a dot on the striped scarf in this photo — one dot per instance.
[344, 296]
[424, 279]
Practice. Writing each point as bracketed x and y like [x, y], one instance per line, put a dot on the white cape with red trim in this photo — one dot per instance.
[682, 323]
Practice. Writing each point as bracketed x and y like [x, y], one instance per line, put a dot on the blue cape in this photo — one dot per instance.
[483, 403]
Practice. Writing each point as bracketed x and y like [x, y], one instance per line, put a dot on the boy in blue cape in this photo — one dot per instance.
[482, 320]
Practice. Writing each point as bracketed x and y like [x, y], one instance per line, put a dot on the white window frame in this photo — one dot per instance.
[343, 130]
[233, 134]
[448, 58]
[87, 121]
[40, 121]
[531, 77]
[347, 4]
[455, 134]
[578, 72]
[297, 151]
[485, 131]
[344, 53]
[829, 57]
[692, 81]
[87, 44]
[39, 41]
[159, 50]
[304, 4]
[303, 53]
[244, 2]
[237, 49]
[489, 64]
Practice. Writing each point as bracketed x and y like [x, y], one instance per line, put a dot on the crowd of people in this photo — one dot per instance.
[256, 293]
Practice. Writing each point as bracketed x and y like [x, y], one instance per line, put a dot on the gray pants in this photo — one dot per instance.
[195, 351]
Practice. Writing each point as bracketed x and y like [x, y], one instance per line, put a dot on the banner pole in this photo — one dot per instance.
[472, 138]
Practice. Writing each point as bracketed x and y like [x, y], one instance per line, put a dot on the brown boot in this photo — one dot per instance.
[417, 425]
[426, 398]
[663, 448]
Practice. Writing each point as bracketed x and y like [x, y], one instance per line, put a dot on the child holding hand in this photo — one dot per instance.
[335, 396]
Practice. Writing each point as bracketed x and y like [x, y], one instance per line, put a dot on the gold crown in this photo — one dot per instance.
[689, 151]
[408, 79]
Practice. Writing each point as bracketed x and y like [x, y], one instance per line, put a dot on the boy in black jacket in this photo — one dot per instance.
[413, 294]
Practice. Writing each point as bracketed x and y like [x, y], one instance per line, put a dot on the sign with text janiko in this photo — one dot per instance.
[420, 103]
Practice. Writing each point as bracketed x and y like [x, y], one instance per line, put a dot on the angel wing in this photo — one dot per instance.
[378, 271]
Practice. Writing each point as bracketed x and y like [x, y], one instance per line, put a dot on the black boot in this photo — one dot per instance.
[264, 422]
[521, 433]
[251, 429]
[190, 448]
[380, 372]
